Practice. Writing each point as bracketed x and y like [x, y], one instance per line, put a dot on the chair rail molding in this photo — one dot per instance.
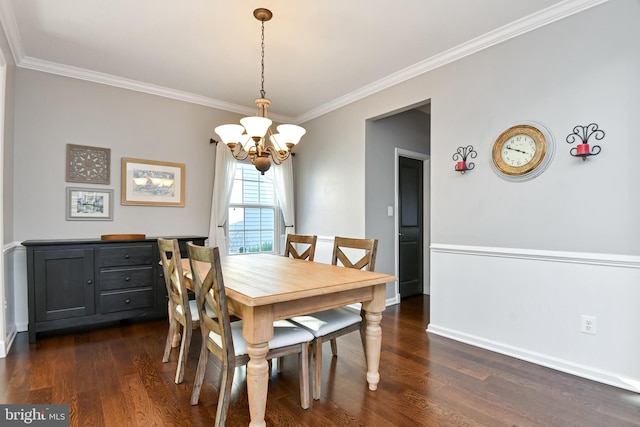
[611, 260]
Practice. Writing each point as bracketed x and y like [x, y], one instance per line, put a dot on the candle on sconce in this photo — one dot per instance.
[582, 149]
[461, 166]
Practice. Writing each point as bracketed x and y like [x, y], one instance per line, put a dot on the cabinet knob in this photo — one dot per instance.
[126, 256]
[126, 279]
[89, 282]
[127, 301]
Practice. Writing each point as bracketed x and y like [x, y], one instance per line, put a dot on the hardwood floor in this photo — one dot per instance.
[114, 377]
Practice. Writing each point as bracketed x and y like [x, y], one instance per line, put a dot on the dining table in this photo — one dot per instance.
[262, 288]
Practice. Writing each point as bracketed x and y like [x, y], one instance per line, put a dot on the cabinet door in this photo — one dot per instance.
[64, 283]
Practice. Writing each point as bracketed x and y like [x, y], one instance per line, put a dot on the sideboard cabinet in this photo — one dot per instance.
[87, 282]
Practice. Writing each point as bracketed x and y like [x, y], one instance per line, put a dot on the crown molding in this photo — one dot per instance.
[514, 29]
[504, 33]
[111, 80]
[135, 85]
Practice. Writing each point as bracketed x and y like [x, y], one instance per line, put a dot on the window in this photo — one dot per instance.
[254, 216]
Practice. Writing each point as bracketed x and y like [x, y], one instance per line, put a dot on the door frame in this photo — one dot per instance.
[426, 223]
[7, 326]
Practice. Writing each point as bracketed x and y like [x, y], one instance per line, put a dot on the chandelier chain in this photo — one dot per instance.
[262, 92]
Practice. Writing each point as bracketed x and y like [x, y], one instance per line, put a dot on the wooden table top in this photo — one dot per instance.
[264, 279]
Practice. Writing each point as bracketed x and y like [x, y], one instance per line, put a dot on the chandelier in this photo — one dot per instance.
[253, 137]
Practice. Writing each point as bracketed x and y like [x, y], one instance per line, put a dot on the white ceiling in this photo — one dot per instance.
[319, 55]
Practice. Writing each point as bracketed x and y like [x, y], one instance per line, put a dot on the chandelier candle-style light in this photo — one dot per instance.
[253, 138]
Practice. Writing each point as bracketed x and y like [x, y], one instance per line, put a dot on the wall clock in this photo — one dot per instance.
[522, 151]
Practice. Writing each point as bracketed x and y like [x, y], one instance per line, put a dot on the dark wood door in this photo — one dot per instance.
[410, 227]
[64, 284]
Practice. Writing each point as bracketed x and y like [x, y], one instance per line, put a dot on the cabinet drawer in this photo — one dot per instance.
[123, 278]
[125, 255]
[111, 302]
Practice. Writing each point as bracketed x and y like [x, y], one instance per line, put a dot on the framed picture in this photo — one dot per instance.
[151, 183]
[89, 204]
[88, 164]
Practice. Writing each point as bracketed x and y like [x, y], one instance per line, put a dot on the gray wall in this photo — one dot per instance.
[52, 111]
[579, 70]
[515, 265]
[408, 130]
[7, 160]
[576, 71]
[7, 167]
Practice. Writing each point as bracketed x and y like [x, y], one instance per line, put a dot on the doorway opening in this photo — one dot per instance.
[405, 132]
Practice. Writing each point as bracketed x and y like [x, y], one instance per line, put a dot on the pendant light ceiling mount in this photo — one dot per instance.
[262, 14]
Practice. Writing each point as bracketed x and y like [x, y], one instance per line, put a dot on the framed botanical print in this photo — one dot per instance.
[152, 183]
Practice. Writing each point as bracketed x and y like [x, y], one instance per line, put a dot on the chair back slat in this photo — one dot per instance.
[210, 293]
[298, 242]
[354, 249]
[173, 274]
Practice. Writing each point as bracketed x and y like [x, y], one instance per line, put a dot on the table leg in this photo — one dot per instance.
[257, 330]
[373, 337]
[373, 334]
[257, 383]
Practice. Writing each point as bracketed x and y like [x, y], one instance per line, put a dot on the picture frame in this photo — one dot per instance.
[152, 183]
[89, 204]
[90, 165]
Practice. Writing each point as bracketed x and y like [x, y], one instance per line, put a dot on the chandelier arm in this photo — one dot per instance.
[239, 154]
[277, 156]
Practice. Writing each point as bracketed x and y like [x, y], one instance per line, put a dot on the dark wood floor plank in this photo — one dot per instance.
[118, 409]
[114, 376]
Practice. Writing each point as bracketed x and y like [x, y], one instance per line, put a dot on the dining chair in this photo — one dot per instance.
[299, 246]
[224, 339]
[330, 324]
[297, 242]
[182, 312]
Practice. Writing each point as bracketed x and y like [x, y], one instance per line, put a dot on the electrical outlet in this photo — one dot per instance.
[588, 324]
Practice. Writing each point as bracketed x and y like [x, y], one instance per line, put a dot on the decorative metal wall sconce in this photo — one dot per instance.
[583, 133]
[461, 156]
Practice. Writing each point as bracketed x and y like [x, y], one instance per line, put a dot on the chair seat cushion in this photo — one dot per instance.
[328, 321]
[285, 334]
[193, 307]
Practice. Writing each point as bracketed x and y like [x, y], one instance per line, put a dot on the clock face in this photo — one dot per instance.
[519, 150]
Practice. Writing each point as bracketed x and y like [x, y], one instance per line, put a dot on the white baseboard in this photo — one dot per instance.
[393, 300]
[5, 345]
[566, 366]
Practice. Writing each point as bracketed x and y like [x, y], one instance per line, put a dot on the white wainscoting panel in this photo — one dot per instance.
[324, 249]
[16, 314]
[528, 304]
